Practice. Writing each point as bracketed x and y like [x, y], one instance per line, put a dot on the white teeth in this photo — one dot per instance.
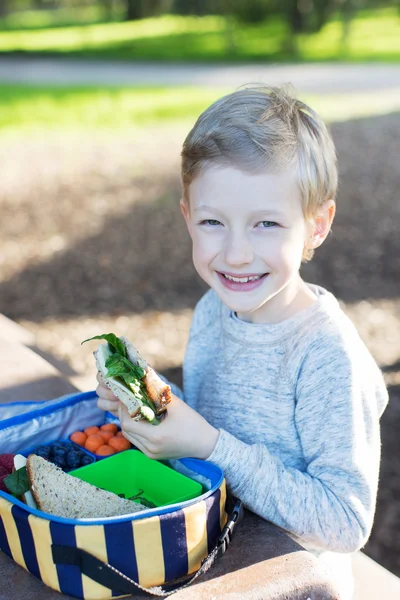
[242, 279]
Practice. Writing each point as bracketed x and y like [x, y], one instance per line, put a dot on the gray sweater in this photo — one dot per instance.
[297, 405]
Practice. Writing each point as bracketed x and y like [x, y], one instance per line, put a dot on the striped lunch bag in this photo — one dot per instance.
[94, 559]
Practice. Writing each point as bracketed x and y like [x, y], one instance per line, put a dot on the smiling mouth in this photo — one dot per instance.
[244, 279]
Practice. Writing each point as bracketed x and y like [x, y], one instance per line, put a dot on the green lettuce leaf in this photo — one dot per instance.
[119, 366]
[114, 342]
[140, 498]
[131, 375]
[17, 483]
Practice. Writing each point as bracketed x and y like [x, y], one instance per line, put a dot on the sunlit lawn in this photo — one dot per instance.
[26, 109]
[370, 39]
[61, 17]
[374, 36]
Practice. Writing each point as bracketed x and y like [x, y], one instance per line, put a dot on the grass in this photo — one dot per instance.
[375, 36]
[62, 17]
[25, 109]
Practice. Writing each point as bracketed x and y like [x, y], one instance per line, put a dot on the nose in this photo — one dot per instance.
[238, 250]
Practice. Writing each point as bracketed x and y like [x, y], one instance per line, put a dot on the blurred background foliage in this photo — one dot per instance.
[204, 30]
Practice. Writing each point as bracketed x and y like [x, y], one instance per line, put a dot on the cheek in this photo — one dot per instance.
[292, 252]
[205, 247]
[282, 251]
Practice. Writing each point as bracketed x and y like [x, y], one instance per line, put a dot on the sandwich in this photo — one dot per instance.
[63, 495]
[129, 377]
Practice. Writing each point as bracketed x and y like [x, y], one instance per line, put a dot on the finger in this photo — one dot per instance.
[138, 445]
[141, 429]
[105, 393]
[113, 412]
[131, 423]
[136, 440]
[125, 419]
[109, 405]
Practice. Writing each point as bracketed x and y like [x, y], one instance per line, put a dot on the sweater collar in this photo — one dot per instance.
[263, 333]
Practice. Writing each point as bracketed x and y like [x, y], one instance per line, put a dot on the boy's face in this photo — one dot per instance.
[248, 234]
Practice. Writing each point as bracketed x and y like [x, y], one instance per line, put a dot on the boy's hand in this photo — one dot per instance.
[182, 432]
[107, 400]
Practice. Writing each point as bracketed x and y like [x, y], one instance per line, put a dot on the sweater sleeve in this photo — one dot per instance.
[330, 504]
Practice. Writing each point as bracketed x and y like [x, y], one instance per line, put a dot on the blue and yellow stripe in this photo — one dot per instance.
[151, 551]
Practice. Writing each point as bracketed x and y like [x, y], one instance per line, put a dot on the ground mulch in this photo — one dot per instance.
[92, 241]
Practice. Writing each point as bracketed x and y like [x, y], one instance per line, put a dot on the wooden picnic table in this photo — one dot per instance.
[261, 563]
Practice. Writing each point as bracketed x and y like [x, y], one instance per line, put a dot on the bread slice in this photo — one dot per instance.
[132, 403]
[159, 391]
[63, 495]
[133, 354]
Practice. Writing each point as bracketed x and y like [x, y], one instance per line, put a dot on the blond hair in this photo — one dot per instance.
[264, 129]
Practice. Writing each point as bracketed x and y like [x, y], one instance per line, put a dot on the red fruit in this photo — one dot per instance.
[7, 461]
[3, 474]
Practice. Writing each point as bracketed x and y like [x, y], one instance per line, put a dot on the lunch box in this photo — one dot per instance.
[167, 546]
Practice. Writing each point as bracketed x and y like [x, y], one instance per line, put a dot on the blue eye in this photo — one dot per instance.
[211, 222]
[267, 224]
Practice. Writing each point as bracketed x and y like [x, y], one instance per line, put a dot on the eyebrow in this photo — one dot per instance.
[203, 207]
[258, 213]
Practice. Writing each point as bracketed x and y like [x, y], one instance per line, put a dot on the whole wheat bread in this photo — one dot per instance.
[63, 495]
[158, 390]
[133, 405]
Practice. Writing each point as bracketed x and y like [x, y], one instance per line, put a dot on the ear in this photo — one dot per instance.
[321, 225]
[186, 215]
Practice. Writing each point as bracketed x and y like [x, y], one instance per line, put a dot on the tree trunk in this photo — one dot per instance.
[295, 17]
[141, 9]
[230, 35]
[295, 23]
[322, 10]
[3, 8]
[134, 10]
[348, 10]
[108, 9]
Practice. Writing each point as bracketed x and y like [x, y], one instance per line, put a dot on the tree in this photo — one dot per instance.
[347, 12]
[323, 11]
[108, 9]
[303, 16]
[142, 9]
[3, 8]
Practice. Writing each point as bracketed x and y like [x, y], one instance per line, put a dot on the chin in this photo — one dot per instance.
[241, 306]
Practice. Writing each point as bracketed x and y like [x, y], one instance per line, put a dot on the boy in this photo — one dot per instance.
[279, 390]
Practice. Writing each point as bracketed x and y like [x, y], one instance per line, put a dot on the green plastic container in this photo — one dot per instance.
[131, 471]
